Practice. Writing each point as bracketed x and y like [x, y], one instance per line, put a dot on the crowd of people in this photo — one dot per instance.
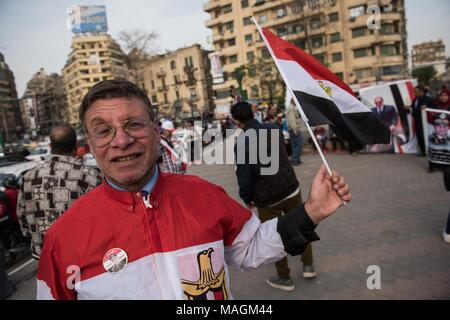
[143, 203]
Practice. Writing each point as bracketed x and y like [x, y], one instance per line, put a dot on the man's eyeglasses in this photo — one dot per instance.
[102, 134]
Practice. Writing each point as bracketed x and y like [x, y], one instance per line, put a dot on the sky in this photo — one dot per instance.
[34, 33]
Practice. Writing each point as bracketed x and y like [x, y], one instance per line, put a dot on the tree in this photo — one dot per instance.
[266, 74]
[424, 74]
[138, 45]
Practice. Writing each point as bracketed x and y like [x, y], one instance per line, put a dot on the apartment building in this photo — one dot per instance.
[10, 120]
[178, 83]
[94, 58]
[49, 105]
[336, 32]
[430, 53]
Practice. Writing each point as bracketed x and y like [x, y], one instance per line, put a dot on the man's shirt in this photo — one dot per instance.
[48, 190]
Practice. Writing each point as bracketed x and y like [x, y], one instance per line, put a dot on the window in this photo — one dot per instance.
[337, 56]
[282, 31]
[233, 59]
[300, 43]
[165, 98]
[392, 70]
[333, 17]
[244, 3]
[227, 8]
[297, 28]
[172, 65]
[320, 58]
[229, 26]
[281, 13]
[359, 32]
[248, 38]
[358, 53]
[153, 84]
[231, 42]
[363, 73]
[221, 94]
[250, 56]
[188, 62]
[176, 79]
[296, 8]
[154, 99]
[387, 29]
[251, 71]
[247, 21]
[259, 2]
[262, 19]
[340, 75]
[335, 37]
[357, 11]
[177, 94]
[315, 23]
[265, 53]
[313, 4]
[317, 42]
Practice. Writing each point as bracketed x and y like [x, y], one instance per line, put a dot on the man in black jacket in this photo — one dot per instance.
[421, 101]
[272, 193]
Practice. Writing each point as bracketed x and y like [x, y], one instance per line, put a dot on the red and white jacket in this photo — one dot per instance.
[178, 243]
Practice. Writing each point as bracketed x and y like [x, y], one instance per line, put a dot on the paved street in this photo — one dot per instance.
[395, 222]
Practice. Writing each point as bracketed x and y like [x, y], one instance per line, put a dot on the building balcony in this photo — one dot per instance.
[261, 6]
[163, 88]
[281, 21]
[211, 5]
[161, 73]
[213, 22]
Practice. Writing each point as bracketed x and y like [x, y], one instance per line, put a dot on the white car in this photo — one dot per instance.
[16, 166]
[39, 154]
[89, 160]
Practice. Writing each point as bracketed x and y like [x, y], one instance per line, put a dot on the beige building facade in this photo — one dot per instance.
[94, 58]
[48, 106]
[430, 53]
[178, 83]
[336, 32]
[10, 119]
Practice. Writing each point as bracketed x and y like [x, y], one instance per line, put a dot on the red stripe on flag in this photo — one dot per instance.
[284, 50]
[410, 88]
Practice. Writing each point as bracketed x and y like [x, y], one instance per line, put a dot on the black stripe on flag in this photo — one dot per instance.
[361, 128]
[400, 107]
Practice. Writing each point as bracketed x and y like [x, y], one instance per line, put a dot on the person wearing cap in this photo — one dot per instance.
[169, 160]
[177, 233]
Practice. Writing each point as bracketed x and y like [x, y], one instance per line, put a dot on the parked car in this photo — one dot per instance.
[39, 154]
[89, 160]
[16, 165]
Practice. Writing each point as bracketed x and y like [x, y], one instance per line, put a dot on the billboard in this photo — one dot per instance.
[87, 19]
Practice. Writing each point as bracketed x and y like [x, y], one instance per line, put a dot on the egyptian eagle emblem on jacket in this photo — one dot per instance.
[208, 280]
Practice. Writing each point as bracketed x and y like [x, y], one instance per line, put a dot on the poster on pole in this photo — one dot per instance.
[437, 135]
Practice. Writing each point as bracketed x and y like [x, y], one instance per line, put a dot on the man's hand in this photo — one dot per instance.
[327, 194]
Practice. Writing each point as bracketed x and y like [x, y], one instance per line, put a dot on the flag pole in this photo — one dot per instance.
[297, 103]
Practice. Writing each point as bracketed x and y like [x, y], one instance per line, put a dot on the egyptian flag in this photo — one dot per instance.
[323, 96]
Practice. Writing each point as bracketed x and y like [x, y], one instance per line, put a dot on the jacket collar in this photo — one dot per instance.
[67, 159]
[130, 198]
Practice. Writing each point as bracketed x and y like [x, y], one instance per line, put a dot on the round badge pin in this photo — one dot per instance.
[115, 260]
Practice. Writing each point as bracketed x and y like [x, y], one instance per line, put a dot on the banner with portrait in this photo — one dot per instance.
[437, 135]
[390, 102]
